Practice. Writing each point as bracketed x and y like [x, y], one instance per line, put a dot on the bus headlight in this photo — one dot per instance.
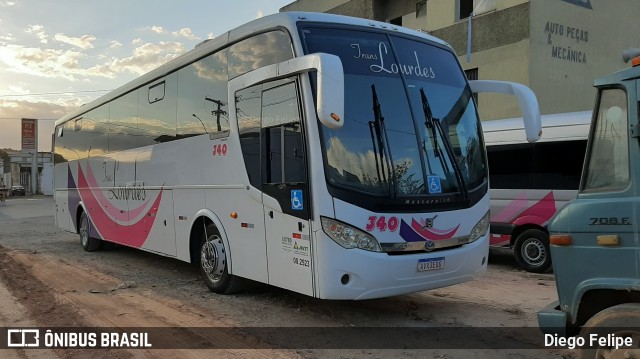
[348, 236]
[480, 229]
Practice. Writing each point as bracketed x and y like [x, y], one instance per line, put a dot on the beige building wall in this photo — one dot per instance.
[443, 13]
[573, 45]
[440, 13]
[313, 5]
[505, 63]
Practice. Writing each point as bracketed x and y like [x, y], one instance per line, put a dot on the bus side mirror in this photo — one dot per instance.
[330, 84]
[526, 98]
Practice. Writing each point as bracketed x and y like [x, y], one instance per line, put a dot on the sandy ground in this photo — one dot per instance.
[47, 280]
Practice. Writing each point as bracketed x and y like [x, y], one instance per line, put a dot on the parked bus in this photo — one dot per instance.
[530, 182]
[337, 157]
[594, 239]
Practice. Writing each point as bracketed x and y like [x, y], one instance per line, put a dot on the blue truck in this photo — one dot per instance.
[595, 239]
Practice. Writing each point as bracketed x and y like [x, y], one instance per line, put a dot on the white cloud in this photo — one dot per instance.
[158, 29]
[186, 32]
[6, 3]
[7, 37]
[38, 30]
[259, 14]
[115, 44]
[47, 63]
[83, 42]
[19, 90]
[211, 35]
[145, 58]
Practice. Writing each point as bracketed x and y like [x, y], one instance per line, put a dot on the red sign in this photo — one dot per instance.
[29, 130]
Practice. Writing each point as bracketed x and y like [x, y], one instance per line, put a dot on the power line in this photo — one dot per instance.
[54, 93]
[18, 118]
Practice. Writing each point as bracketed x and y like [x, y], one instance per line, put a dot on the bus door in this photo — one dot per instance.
[285, 191]
[272, 141]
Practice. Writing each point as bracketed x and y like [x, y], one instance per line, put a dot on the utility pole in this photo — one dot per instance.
[219, 112]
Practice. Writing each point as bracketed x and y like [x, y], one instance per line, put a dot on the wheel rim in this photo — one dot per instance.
[213, 258]
[533, 252]
[624, 352]
[84, 230]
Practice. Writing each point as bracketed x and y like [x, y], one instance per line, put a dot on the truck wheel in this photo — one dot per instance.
[614, 320]
[531, 249]
[88, 244]
[213, 263]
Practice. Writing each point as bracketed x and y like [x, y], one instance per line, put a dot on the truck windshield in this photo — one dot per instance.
[411, 127]
[607, 167]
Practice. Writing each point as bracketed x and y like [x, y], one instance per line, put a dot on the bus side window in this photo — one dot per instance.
[257, 51]
[248, 112]
[282, 133]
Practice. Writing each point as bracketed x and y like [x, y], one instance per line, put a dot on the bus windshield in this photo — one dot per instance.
[411, 127]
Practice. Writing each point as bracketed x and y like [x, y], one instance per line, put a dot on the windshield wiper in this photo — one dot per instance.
[436, 127]
[429, 124]
[380, 142]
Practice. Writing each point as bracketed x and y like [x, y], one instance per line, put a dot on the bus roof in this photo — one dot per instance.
[287, 20]
[555, 127]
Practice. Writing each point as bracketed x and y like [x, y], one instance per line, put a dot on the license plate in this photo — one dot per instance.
[430, 264]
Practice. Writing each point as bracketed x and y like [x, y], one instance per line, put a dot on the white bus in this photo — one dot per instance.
[337, 157]
[530, 182]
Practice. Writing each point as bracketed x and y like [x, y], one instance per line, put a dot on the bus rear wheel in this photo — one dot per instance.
[84, 230]
[531, 250]
[213, 263]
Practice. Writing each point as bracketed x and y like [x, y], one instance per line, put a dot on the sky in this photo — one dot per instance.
[56, 56]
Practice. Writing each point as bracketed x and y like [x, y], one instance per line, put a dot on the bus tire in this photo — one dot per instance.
[213, 263]
[618, 317]
[88, 243]
[531, 249]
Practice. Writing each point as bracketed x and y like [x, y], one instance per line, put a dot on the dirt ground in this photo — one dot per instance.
[47, 280]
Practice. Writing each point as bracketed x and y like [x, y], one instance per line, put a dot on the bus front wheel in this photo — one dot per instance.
[213, 263]
[531, 250]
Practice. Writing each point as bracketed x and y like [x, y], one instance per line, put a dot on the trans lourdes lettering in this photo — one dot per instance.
[134, 193]
[394, 68]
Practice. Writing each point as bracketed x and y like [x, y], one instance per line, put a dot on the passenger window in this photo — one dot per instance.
[248, 113]
[122, 122]
[259, 51]
[157, 114]
[202, 96]
[282, 132]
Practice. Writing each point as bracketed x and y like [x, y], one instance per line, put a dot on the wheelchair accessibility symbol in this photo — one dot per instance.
[296, 200]
[434, 184]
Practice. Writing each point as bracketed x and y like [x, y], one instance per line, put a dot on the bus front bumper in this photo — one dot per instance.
[552, 320]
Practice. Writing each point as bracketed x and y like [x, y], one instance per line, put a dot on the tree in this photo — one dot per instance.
[5, 159]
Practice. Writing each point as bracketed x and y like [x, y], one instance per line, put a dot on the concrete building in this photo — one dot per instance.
[556, 47]
[20, 165]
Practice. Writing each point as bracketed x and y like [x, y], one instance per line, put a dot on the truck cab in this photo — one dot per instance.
[595, 239]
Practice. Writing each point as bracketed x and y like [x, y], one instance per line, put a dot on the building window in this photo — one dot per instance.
[472, 74]
[421, 9]
[396, 21]
[465, 8]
